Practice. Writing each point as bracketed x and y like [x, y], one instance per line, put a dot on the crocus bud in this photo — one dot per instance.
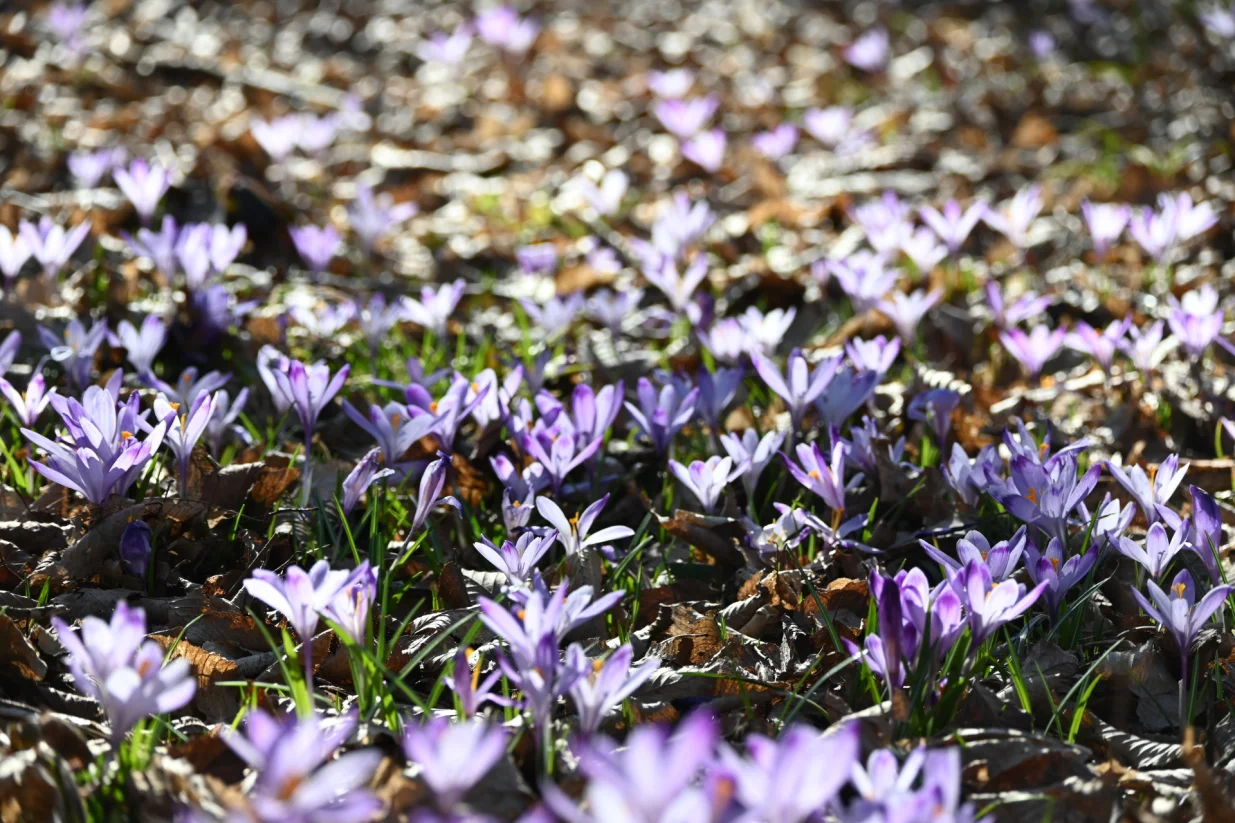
[135, 547]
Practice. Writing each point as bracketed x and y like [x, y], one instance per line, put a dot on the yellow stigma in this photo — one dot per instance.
[1179, 589]
[175, 406]
[815, 474]
[394, 419]
[1054, 562]
[433, 407]
[597, 665]
[983, 556]
[288, 787]
[476, 387]
[1032, 494]
[126, 435]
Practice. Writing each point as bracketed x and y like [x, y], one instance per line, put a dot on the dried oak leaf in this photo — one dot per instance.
[16, 653]
[216, 703]
[716, 537]
[273, 481]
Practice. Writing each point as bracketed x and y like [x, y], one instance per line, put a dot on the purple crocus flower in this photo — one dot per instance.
[751, 455]
[652, 777]
[447, 49]
[142, 345]
[429, 494]
[953, 225]
[576, 534]
[435, 306]
[791, 778]
[848, 391]
[193, 253]
[1153, 496]
[538, 258]
[65, 21]
[376, 319]
[609, 684]
[317, 133]
[716, 391]
[870, 51]
[276, 137]
[815, 473]
[1028, 305]
[1182, 616]
[970, 479]
[864, 277]
[308, 389]
[776, 143]
[1193, 221]
[543, 618]
[1059, 575]
[184, 430]
[1196, 320]
[706, 480]
[800, 386]
[1144, 347]
[88, 168]
[1001, 559]
[1206, 537]
[188, 385]
[606, 198]
[359, 479]
[907, 310]
[829, 126]
[1035, 349]
[323, 321]
[1101, 346]
[296, 778]
[76, 351]
[766, 330]
[1158, 553]
[1013, 218]
[159, 247]
[114, 664]
[28, 405]
[503, 28]
[51, 244]
[706, 150]
[556, 316]
[1044, 495]
[1217, 19]
[1106, 222]
[685, 118]
[316, 245]
[135, 547]
[1156, 232]
[349, 608]
[886, 222]
[924, 250]
[613, 310]
[301, 597]
[990, 605]
[875, 355]
[453, 757]
[673, 84]
[14, 252]
[727, 340]
[517, 560]
[678, 287]
[372, 216]
[226, 244]
[935, 407]
[679, 226]
[661, 415]
[144, 185]
[466, 684]
[559, 455]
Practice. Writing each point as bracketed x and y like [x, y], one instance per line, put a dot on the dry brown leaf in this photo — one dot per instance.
[16, 653]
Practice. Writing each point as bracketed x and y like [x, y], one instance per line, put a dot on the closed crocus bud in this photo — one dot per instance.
[136, 548]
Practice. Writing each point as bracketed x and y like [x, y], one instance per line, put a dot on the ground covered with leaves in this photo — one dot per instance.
[630, 411]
